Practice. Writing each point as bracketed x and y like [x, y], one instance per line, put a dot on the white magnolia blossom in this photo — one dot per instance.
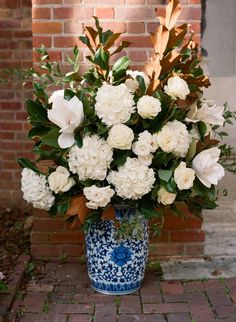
[114, 104]
[146, 160]
[165, 197]
[177, 88]
[174, 138]
[209, 113]
[98, 197]
[132, 83]
[133, 180]
[148, 107]
[207, 168]
[60, 180]
[68, 115]
[120, 137]
[35, 189]
[92, 160]
[184, 177]
[145, 144]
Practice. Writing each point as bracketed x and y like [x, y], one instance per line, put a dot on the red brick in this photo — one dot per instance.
[135, 27]
[74, 250]
[134, 14]
[65, 42]
[47, 250]
[195, 1]
[187, 236]
[164, 308]
[201, 313]
[166, 249]
[40, 225]
[71, 308]
[41, 13]
[103, 1]
[172, 287]
[105, 13]
[69, 13]
[114, 26]
[12, 126]
[190, 13]
[65, 237]
[136, 2]
[47, 27]
[37, 2]
[39, 40]
[39, 238]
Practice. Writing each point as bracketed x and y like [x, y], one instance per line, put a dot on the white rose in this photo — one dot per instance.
[209, 113]
[145, 144]
[174, 138]
[120, 137]
[98, 197]
[206, 167]
[148, 107]
[60, 180]
[68, 115]
[165, 197]
[184, 177]
[133, 84]
[177, 88]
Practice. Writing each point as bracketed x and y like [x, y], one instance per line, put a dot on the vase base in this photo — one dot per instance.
[115, 292]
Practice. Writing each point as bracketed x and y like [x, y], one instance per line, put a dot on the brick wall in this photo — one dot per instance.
[56, 24]
[15, 51]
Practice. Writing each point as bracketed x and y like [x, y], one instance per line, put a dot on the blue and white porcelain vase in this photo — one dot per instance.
[116, 267]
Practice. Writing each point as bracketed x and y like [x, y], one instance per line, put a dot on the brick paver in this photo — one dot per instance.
[64, 294]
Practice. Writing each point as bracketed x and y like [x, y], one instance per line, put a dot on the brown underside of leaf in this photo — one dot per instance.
[208, 143]
[173, 11]
[78, 207]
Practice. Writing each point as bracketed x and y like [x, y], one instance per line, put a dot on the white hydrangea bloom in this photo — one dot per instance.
[114, 104]
[98, 197]
[92, 160]
[174, 138]
[133, 180]
[148, 107]
[145, 144]
[36, 190]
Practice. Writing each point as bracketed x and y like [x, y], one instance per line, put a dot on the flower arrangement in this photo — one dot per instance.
[147, 139]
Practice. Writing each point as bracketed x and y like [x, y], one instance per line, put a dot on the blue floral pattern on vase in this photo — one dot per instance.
[113, 267]
[121, 255]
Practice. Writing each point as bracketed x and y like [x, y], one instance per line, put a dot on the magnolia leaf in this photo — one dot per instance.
[161, 40]
[170, 60]
[207, 143]
[177, 35]
[37, 131]
[25, 163]
[165, 175]
[153, 86]
[51, 138]
[37, 113]
[192, 150]
[123, 45]
[202, 129]
[78, 207]
[91, 35]
[109, 213]
[111, 40]
[172, 13]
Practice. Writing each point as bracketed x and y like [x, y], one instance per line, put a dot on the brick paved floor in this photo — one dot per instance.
[64, 295]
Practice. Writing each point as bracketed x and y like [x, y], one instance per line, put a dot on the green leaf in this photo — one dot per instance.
[101, 58]
[120, 67]
[25, 163]
[170, 186]
[142, 85]
[37, 113]
[165, 175]
[87, 183]
[202, 128]
[120, 157]
[37, 131]
[51, 138]
[91, 219]
[102, 129]
[203, 191]
[106, 35]
[161, 159]
[78, 140]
